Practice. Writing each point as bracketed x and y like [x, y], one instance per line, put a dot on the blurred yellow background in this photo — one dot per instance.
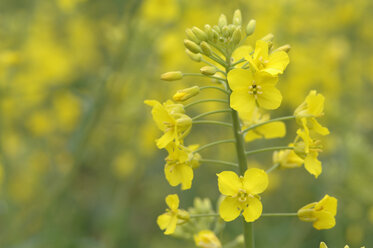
[78, 162]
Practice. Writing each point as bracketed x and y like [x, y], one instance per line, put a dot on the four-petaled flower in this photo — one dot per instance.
[321, 213]
[173, 215]
[242, 194]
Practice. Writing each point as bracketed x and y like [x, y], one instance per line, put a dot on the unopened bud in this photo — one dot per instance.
[184, 121]
[269, 37]
[217, 29]
[231, 28]
[194, 56]
[236, 37]
[208, 31]
[323, 245]
[225, 31]
[215, 35]
[191, 36]
[307, 215]
[208, 70]
[237, 17]
[185, 94]
[172, 76]
[250, 28]
[222, 21]
[286, 48]
[192, 46]
[201, 35]
[206, 49]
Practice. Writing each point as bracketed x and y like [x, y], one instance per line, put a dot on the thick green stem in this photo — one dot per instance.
[269, 121]
[275, 148]
[215, 143]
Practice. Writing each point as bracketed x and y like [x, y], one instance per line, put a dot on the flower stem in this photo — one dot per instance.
[213, 122]
[201, 75]
[212, 161]
[214, 87]
[203, 215]
[269, 121]
[274, 167]
[205, 100]
[215, 143]
[210, 113]
[279, 214]
[275, 148]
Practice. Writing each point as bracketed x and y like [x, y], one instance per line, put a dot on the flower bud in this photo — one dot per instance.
[269, 37]
[217, 29]
[201, 35]
[250, 28]
[307, 215]
[172, 76]
[225, 31]
[215, 35]
[323, 245]
[206, 49]
[192, 46]
[209, 32]
[185, 94]
[286, 48]
[183, 215]
[208, 70]
[222, 21]
[236, 37]
[237, 17]
[194, 56]
[191, 36]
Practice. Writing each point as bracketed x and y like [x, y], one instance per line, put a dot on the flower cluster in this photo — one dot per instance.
[248, 77]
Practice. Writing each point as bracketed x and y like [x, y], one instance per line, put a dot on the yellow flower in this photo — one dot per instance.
[171, 119]
[274, 63]
[268, 131]
[180, 163]
[207, 239]
[242, 194]
[173, 215]
[249, 89]
[323, 245]
[309, 110]
[309, 149]
[287, 158]
[321, 213]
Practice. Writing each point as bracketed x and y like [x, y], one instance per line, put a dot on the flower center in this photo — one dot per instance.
[255, 89]
[242, 196]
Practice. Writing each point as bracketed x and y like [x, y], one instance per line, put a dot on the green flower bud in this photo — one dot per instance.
[209, 32]
[225, 31]
[192, 46]
[231, 29]
[199, 34]
[217, 29]
[237, 17]
[307, 215]
[191, 36]
[172, 76]
[185, 94]
[194, 56]
[250, 28]
[222, 21]
[236, 37]
[208, 70]
[323, 245]
[269, 37]
[206, 48]
[215, 35]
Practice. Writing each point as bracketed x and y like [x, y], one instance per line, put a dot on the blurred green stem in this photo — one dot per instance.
[279, 214]
[212, 161]
[214, 87]
[269, 121]
[215, 143]
[275, 148]
[205, 100]
[210, 113]
[213, 122]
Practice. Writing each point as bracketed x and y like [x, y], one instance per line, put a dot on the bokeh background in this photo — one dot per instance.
[78, 163]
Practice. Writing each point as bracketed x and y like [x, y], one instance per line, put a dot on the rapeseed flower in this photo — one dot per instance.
[321, 213]
[287, 159]
[241, 194]
[173, 215]
[207, 239]
[250, 89]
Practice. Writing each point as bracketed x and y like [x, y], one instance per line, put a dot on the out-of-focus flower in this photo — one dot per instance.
[207, 239]
[321, 213]
[242, 194]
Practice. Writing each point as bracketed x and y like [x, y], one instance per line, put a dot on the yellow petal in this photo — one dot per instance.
[242, 102]
[277, 63]
[318, 128]
[229, 183]
[172, 201]
[255, 181]
[328, 203]
[261, 50]
[312, 164]
[229, 209]
[179, 174]
[241, 52]
[325, 220]
[323, 245]
[315, 103]
[161, 116]
[270, 98]
[171, 225]
[253, 210]
[272, 130]
[252, 135]
[163, 221]
[166, 138]
[239, 79]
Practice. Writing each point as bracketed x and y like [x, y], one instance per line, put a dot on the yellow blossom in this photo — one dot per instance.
[321, 213]
[323, 245]
[207, 239]
[287, 158]
[170, 119]
[180, 163]
[309, 110]
[268, 131]
[242, 194]
[274, 63]
[173, 215]
[250, 89]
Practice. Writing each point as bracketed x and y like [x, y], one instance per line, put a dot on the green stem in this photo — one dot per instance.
[269, 121]
[279, 214]
[205, 100]
[274, 167]
[215, 143]
[236, 63]
[212, 161]
[202, 75]
[213, 122]
[211, 64]
[275, 148]
[214, 87]
[210, 113]
[203, 215]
